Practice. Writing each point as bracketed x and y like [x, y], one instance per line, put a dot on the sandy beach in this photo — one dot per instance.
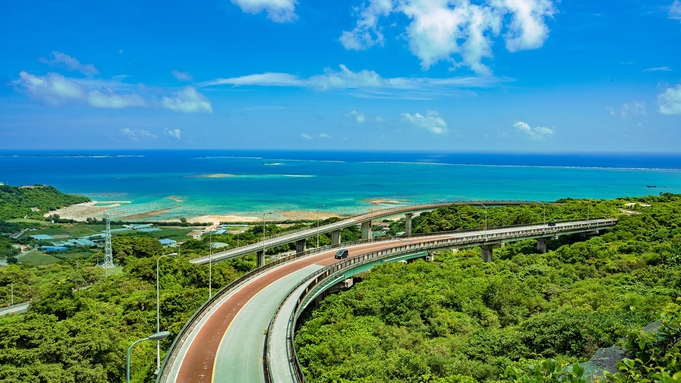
[83, 211]
[96, 209]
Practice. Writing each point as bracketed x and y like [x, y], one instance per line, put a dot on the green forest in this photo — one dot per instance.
[524, 317]
[17, 202]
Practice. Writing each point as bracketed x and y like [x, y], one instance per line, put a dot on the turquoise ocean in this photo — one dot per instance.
[192, 183]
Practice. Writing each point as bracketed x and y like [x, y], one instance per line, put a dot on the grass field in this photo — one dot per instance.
[36, 258]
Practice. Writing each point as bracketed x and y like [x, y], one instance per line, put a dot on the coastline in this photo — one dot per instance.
[96, 209]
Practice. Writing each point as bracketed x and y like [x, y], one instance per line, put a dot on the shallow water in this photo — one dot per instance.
[193, 183]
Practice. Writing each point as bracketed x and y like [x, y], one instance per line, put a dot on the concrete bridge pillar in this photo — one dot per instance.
[541, 245]
[336, 237]
[487, 251]
[407, 224]
[366, 230]
[300, 246]
[261, 258]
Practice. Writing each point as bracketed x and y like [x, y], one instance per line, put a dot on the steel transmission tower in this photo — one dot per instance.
[108, 254]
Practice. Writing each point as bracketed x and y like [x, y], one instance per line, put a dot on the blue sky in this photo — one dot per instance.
[452, 75]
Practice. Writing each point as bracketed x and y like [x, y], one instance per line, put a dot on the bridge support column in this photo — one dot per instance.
[541, 245]
[366, 230]
[407, 224]
[261, 258]
[300, 246]
[336, 237]
[487, 251]
[430, 257]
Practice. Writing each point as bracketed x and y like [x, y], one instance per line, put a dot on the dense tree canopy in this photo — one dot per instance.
[16, 202]
[459, 319]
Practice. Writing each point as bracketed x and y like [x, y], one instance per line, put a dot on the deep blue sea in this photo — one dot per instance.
[192, 183]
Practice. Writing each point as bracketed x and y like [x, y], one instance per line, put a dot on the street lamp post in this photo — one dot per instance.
[12, 293]
[158, 336]
[320, 206]
[158, 311]
[210, 264]
[485, 218]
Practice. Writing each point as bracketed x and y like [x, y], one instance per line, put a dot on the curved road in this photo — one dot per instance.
[217, 355]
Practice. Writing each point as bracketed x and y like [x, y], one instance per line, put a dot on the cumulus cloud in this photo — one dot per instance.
[188, 100]
[367, 83]
[359, 117]
[431, 122]
[536, 133]
[62, 59]
[135, 135]
[114, 101]
[380, 119]
[660, 69]
[306, 136]
[182, 76]
[675, 10]
[174, 133]
[441, 29]
[55, 89]
[670, 101]
[633, 109]
[277, 10]
[325, 136]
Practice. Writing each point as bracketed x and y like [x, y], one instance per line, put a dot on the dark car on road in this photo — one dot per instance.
[342, 253]
[552, 223]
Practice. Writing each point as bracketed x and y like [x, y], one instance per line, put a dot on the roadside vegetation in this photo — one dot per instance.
[525, 317]
[456, 320]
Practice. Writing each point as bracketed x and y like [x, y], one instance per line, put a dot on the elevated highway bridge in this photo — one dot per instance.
[365, 220]
[244, 333]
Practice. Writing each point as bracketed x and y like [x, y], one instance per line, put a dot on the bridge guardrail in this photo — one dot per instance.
[333, 269]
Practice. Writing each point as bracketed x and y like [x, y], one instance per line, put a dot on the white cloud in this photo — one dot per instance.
[175, 133]
[182, 76]
[536, 133]
[53, 89]
[670, 101]
[277, 10]
[675, 10]
[440, 29]
[114, 101]
[611, 111]
[380, 119]
[129, 133]
[660, 69]
[367, 83]
[306, 136]
[633, 109]
[135, 135]
[325, 136]
[188, 100]
[431, 122]
[359, 117]
[70, 63]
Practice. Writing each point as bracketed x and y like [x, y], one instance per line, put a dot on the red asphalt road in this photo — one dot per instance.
[197, 365]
